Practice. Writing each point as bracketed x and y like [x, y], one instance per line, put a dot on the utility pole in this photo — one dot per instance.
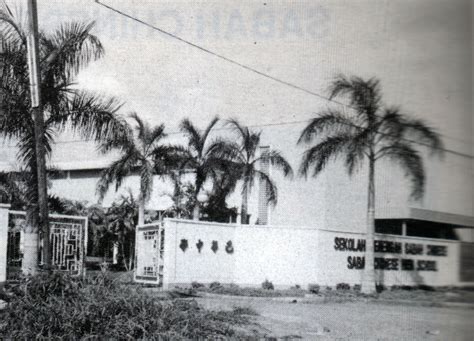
[37, 112]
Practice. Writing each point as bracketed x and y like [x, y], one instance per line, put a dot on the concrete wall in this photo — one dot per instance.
[335, 266]
[287, 256]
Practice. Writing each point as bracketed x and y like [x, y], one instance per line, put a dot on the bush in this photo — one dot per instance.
[343, 286]
[425, 287]
[58, 306]
[380, 287]
[267, 285]
[314, 288]
[196, 285]
[215, 286]
[357, 287]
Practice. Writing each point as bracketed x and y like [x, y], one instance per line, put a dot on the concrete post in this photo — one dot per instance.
[3, 242]
[404, 228]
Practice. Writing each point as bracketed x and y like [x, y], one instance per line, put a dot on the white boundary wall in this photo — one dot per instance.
[287, 256]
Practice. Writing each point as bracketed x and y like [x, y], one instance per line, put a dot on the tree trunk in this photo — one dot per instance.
[131, 255]
[29, 263]
[141, 212]
[124, 259]
[368, 281]
[244, 207]
[196, 211]
[37, 112]
[115, 253]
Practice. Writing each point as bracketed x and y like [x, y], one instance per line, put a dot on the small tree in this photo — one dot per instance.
[64, 52]
[122, 218]
[206, 158]
[141, 152]
[370, 132]
[244, 155]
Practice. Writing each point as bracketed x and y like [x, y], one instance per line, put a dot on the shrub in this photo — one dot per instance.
[267, 285]
[233, 286]
[357, 287]
[196, 285]
[380, 287]
[314, 288]
[58, 306]
[343, 286]
[244, 311]
[215, 286]
[425, 287]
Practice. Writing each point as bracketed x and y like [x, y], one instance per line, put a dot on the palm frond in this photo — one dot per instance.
[141, 128]
[194, 138]
[318, 156]
[270, 186]
[357, 150]
[116, 172]
[277, 161]
[207, 131]
[330, 121]
[364, 95]
[169, 157]
[11, 30]
[70, 48]
[396, 126]
[156, 134]
[412, 164]
[93, 117]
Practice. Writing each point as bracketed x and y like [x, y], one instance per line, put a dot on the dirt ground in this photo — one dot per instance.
[353, 321]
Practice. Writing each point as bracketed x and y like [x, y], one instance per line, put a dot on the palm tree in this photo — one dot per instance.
[206, 158]
[143, 153]
[63, 53]
[370, 133]
[245, 156]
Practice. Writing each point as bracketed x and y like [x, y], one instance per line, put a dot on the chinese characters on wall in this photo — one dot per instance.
[229, 248]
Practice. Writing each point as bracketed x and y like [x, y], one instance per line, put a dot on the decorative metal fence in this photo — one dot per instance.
[149, 249]
[68, 241]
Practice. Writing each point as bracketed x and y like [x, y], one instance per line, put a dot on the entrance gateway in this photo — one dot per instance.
[149, 250]
[68, 240]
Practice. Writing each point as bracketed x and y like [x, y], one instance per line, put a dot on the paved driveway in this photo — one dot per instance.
[354, 321]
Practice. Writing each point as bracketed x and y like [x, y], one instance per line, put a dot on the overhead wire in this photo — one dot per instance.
[263, 74]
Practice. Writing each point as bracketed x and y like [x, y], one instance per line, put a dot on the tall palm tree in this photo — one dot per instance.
[203, 156]
[245, 155]
[141, 151]
[370, 132]
[63, 54]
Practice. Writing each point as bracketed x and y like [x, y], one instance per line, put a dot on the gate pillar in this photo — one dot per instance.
[3, 242]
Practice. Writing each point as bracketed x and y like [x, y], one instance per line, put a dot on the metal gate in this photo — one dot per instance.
[149, 249]
[68, 240]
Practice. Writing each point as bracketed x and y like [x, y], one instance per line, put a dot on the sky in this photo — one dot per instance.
[420, 50]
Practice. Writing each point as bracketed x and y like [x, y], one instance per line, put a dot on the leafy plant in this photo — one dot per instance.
[63, 53]
[61, 307]
[215, 286]
[343, 286]
[246, 158]
[207, 158]
[314, 288]
[196, 285]
[267, 285]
